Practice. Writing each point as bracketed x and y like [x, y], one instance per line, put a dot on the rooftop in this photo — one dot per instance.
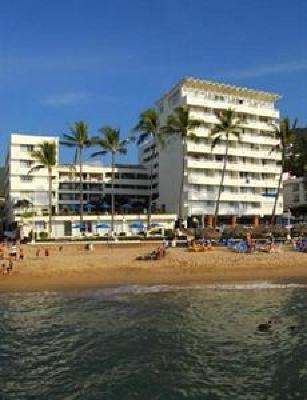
[220, 87]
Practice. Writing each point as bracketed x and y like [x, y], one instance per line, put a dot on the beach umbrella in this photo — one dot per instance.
[156, 225]
[78, 226]
[104, 206]
[136, 226]
[89, 206]
[127, 206]
[103, 226]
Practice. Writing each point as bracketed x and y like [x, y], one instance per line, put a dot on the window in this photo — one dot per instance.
[25, 163]
[26, 178]
[26, 147]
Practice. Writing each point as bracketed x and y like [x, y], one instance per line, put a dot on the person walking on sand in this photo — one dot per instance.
[13, 251]
[21, 254]
[10, 266]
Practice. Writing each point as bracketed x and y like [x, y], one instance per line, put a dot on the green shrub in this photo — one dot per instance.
[43, 235]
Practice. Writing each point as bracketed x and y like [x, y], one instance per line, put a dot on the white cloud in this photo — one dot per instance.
[268, 69]
[66, 98]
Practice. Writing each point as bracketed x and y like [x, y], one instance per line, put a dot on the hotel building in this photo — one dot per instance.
[252, 170]
[295, 196]
[130, 185]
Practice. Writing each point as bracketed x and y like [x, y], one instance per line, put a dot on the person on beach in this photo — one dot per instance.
[10, 266]
[21, 254]
[3, 266]
[13, 252]
[38, 252]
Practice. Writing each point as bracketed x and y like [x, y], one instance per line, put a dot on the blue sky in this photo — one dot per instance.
[106, 61]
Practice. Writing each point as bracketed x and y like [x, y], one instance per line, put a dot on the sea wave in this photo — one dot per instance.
[162, 288]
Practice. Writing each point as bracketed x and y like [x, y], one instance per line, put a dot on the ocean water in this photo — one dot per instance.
[159, 342]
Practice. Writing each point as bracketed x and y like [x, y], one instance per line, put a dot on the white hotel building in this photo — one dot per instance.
[252, 170]
[250, 184]
[130, 185]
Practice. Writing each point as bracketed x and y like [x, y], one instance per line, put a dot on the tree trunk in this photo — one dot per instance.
[150, 190]
[217, 204]
[180, 211]
[278, 189]
[81, 189]
[112, 194]
[49, 202]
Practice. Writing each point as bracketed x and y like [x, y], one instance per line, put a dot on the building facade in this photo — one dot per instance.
[295, 196]
[26, 194]
[252, 171]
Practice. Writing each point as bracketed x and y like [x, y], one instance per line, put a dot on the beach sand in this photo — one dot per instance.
[75, 267]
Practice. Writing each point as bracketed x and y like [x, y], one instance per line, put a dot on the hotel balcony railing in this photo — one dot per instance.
[235, 151]
[232, 166]
[215, 180]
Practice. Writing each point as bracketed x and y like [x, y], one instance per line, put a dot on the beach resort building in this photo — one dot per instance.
[295, 196]
[26, 194]
[252, 171]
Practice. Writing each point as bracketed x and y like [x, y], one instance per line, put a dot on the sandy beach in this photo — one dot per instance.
[75, 267]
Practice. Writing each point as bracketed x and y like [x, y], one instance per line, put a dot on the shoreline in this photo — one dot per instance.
[76, 268]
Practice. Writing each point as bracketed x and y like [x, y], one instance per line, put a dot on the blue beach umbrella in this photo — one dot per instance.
[89, 206]
[104, 206]
[136, 226]
[78, 226]
[127, 206]
[103, 226]
[156, 225]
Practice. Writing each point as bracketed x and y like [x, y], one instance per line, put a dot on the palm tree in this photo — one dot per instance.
[110, 142]
[22, 203]
[46, 158]
[148, 128]
[285, 133]
[180, 123]
[226, 126]
[79, 139]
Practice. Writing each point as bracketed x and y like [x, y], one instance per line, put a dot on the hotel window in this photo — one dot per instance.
[26, 147]
[26, 178]
[26, 163]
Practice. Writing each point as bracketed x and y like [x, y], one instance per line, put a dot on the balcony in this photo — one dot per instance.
[266, 111]
[225, 196]
[233, 166]
[206, 180]
[234, 151]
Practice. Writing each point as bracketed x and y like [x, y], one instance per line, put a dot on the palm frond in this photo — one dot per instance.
[110, 141]
[215, 141]
[36, 168]
[98, 153]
